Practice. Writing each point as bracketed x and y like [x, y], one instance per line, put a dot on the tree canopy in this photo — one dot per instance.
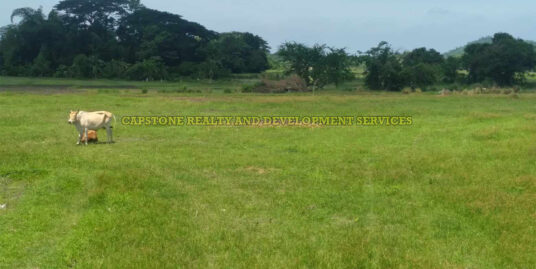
[119, 38]
[124, 39]
[503, 61]
[317, 65]
[384, 68]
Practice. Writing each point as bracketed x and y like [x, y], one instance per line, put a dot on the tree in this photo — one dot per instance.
[150, 69]
[317, 65]
[106, 38]
[42, 66]
[28, 15]
[422, 67]
[421, 75]
[93, 24]
[239, 52]
[22, 43]
[337, 64]
[450, 69]
[103, 13]
[87, 67]
[422, 56]
[503, 61]
[383, 68]
[148, 33]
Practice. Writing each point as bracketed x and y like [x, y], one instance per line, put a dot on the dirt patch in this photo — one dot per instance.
[122, 87]
[40, 89]
[487, 133]
[530, 116]
[291, 84]
[194, 99]
[484, 116]
[258, 170]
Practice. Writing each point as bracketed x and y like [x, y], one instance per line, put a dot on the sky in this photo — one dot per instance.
[356, 25]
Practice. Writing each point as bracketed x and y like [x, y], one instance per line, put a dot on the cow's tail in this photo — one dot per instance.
[115, 120]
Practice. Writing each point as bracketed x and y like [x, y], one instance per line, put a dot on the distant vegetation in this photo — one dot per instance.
[502, 62]
[122, 39]
[317, 65]
[459, 51]
[390, 70]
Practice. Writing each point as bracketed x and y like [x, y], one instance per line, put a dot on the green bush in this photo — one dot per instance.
[87, 67]
[247, 88]
[41, 66]
[63, 71]
[148, 70]
[115, 69]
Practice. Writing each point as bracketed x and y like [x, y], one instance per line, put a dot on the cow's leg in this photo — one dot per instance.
[109, 134]
[80, 133]
[85, 131]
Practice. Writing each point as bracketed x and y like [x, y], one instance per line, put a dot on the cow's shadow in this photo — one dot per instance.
[96, 143]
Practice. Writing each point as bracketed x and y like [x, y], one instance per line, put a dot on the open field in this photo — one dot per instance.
[457, 189]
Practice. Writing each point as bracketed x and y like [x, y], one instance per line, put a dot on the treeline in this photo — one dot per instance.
[122, 39]
[503, 62]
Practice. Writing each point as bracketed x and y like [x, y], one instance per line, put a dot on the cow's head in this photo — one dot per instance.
[72, 116]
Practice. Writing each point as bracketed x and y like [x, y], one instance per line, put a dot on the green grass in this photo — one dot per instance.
[455, 190]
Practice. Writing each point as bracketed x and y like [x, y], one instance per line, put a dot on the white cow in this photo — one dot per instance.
[85, 121]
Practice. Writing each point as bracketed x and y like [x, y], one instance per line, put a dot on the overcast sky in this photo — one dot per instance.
[354, 24]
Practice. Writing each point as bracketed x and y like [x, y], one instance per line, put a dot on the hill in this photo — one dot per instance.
[458, 52]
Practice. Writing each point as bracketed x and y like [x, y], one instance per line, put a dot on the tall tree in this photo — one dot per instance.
[148, 33]
[317, 65]
[422, 67]
[384, 68]
[504, 61]
[450, 69]
[103, 13]
[121, 38]
[422, 56]
[28, 15]
[240, 52]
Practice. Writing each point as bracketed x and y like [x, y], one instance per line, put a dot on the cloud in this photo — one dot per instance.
[438, 11]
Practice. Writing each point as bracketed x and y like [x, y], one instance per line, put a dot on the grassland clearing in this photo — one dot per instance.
[455, 189]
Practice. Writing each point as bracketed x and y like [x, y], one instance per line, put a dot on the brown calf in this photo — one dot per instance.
[92, 137]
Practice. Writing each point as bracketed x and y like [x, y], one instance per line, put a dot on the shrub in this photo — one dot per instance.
[115, 69]
[152, 69]
[445, 92]
[247, 88]
[41, 66]
[187, 69]
[507, 91]
[63, 72]
[212, 70]
[86, 67]
[290, 84]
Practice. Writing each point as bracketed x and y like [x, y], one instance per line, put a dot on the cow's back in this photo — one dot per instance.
[108, 114]
[96, 120]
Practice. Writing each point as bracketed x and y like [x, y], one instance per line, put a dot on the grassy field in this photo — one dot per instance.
[457, 189]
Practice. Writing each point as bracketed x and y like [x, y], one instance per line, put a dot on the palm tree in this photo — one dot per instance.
[28, 15]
